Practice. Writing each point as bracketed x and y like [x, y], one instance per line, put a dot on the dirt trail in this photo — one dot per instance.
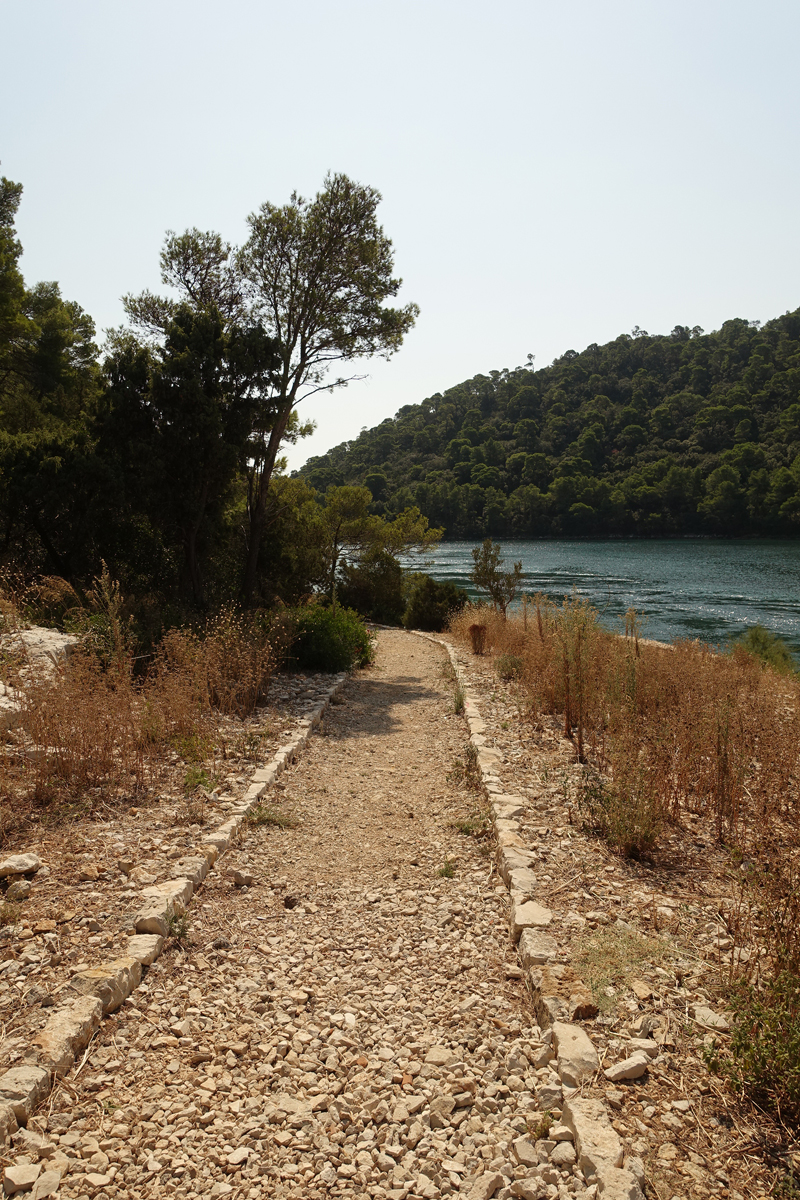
[353, 1024]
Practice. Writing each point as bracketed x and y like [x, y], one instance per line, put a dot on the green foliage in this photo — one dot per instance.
[509, 666]
[626, 813]
[374, 587]
[430, 604]
[541, 1128]
[354, 536]
[768, 647]
[764, 1059]
[197, 777]
[178, 927]
[459, 700]
[488, 576]
[331, 641]
[684, 433]
[447, 871]
[478, 825]
[465, 772]
[268, 814]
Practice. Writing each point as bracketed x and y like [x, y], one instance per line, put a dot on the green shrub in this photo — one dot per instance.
[509, 666]
[331, 641]
[431, 603]
[764, 1061]
[627, 812]
[374, 587]
[768, 647]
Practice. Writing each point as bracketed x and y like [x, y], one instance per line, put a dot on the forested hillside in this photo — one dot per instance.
[652, 435]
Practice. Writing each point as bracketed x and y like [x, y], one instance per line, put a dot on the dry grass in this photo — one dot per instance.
[97, 729]
[674, 730]
[667, 735]
[610, 959]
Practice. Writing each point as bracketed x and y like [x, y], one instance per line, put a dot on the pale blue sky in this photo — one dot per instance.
[553, 173]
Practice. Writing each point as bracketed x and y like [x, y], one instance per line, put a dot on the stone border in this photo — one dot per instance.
[599, 1149]
[103, 989]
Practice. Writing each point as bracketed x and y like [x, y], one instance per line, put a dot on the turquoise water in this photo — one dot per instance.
[695, 588]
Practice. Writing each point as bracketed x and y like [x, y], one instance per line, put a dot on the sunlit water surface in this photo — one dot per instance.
[686, 588]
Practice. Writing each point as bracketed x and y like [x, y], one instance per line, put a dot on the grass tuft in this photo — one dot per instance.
[268, 814]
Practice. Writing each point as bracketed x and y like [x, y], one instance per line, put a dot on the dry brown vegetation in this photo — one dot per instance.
[103, 726]
[663, 730]
[683, 735]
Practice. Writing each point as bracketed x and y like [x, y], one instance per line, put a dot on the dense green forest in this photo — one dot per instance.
[158, 456]
[688, 433]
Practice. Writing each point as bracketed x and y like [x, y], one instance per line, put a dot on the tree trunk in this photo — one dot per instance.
[258, 505]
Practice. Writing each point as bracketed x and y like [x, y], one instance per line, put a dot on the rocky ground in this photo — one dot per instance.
[357, 1023]
[95, 861]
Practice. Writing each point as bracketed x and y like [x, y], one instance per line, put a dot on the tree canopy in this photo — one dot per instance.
[684, 433]
[315, 275]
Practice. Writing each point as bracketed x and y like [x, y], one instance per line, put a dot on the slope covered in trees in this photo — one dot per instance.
[688, 433]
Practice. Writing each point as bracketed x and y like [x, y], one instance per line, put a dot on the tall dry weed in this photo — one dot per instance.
[94, 727]
[682, 731]
[81, 727]
[238, 662]
[702, 732]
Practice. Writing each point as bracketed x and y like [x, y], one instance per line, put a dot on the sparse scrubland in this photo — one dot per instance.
[112, 724]
[682, 735]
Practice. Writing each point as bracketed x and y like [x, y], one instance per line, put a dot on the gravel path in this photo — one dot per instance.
[354, 1023]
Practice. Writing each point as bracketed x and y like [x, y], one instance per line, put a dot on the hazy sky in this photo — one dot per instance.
[553, 173]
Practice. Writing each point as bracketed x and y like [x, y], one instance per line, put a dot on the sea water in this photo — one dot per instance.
[684, 587]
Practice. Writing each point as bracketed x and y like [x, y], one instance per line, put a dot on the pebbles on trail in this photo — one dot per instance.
[371, 1039]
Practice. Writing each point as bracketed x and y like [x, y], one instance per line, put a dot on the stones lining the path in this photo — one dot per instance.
[599, 1150]
[105, 987]
[289, 1059]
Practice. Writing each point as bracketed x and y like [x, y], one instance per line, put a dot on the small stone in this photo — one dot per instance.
[577, 1057]
[20, 864]
[644, 1046]
[441, 1109]
[549, 1095]
[529, 1188]
[47, 1184]
[596, 1143]
[582, 1006]
[641, 990]
[438, 1056]
[22, 1089]
[67, 1032]
[536, 948]
[529, 915]
[20, 1179]
[525, 1152]
[30, 1142]
[630, 1068]
[486, 1185]
[145, 947]
[241, 879]
[111, 983]
[20, 889]
[563, 1155]
[97, 1179]
[616, 1184]
[711, 1020]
